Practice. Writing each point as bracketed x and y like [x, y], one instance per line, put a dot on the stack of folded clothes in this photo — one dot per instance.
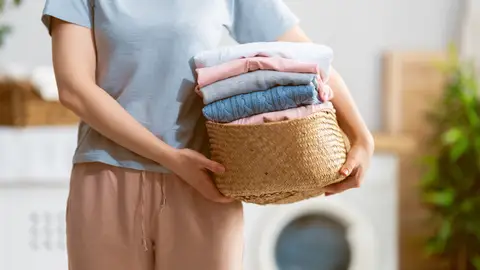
[264, 82]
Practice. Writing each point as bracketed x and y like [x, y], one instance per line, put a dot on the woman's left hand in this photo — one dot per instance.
[358, 160]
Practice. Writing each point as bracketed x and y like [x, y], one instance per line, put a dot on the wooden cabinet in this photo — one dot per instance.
[413, 83]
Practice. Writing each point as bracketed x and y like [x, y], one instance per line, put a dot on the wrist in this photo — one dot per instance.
[167, 156]
[366, 140]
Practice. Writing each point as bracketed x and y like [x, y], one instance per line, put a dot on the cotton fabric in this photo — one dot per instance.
[237, 67]
[124, 219]
[289, 114]
[275, 99]
[145, 53]
[259, 80]
[306, 52]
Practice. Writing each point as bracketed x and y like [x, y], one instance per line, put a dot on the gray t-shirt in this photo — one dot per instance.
[144, 61]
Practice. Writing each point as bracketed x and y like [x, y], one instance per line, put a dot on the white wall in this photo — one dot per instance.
[29, 44]
[358, 31]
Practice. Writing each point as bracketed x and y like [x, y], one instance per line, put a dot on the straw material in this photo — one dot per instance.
[20, 105]
[279, 162]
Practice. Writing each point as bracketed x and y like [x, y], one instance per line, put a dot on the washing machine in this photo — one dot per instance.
[35, 166]
[354, 230]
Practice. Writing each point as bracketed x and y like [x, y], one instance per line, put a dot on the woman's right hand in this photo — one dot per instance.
[74, 53]
[192, 167]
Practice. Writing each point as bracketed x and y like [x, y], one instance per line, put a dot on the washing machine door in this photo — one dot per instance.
[312, 235]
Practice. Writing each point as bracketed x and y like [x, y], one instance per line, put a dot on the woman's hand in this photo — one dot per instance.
[350, 121]
[358, 160]
[192, 167]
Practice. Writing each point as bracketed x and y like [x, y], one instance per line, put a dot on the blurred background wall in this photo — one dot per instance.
[358, 31]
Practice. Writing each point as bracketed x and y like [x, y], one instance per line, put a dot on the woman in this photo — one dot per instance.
[140, 193]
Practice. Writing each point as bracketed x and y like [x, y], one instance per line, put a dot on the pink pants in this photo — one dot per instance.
[125, 219]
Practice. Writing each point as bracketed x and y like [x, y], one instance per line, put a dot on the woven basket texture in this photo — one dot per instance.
[279, 162]
[20, 105]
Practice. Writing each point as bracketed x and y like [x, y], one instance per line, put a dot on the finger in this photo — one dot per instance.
[323, 96]
[359, 175]
[211, 165]
[353, 181]
[341, 186]
[208, 190]
[350, 164]
[205, 186]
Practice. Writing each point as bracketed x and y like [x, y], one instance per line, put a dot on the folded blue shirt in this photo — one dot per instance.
[274, 99]
[259, 80]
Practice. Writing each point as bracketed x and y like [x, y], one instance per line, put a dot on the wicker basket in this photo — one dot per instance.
[20, 105]
[279, 162]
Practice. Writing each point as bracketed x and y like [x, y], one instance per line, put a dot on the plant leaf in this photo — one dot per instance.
[445, 232]
[477, 144]
[429, 177]
[472, 228]
[431, 174]
[440, 198]
[3, 4]
[431, 160]
[466, 206]
[476, 261]
[450, 180]
[452, 135]
[4, 30]
[433, 247]
[459, 149]
[439, 242]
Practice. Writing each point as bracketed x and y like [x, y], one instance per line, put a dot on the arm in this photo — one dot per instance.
[349, 117]
[74, 60]
[350, 121]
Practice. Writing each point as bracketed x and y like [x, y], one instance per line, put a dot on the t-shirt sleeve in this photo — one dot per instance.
[78, 12]
[259, 20]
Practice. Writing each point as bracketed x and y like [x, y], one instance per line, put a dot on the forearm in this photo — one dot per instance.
[100, 111]
[74, 60]
[348, 116]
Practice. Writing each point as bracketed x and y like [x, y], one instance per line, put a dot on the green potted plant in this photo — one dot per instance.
[5, 29]
[451, 183]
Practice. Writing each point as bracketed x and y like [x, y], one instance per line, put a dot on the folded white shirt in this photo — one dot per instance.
[305, 52]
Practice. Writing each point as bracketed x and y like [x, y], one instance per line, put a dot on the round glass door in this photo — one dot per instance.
[313, 242]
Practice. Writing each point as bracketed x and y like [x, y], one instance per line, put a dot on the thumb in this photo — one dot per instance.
[349, 165]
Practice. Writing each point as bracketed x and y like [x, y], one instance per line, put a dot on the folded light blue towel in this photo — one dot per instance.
[259, 80]
[275, 99]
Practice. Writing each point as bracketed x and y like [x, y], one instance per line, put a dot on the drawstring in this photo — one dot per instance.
[164, 196]
[142, 205]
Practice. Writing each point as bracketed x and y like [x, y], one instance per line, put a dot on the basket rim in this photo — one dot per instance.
[283, 122]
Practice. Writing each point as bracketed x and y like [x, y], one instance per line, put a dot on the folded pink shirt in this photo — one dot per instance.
[236, 67]
[289, 114]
